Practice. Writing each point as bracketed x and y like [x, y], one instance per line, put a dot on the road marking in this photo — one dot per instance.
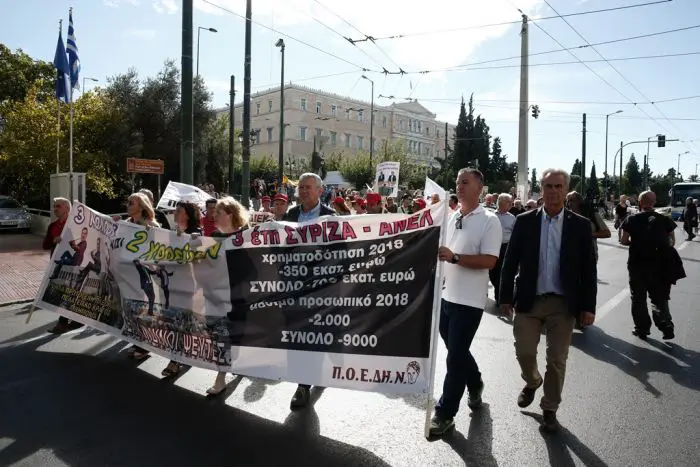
[683, 245]
[612, 303]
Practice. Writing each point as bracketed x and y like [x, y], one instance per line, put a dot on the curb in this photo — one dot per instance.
[16, 302]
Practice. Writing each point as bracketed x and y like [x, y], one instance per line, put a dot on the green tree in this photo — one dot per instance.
[465, 122]
[593, 181]
[575, 176]
[632, 181]
[19, 73]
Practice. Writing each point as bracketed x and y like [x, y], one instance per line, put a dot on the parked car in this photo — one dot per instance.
[14, 216]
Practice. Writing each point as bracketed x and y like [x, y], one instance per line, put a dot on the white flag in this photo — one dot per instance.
[432, 188]
[176, 191]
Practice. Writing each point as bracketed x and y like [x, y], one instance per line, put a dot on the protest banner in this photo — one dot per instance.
[176, 191]
[336, 302]
[386, 180]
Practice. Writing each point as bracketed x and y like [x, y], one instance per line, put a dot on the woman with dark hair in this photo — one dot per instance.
[187, 221]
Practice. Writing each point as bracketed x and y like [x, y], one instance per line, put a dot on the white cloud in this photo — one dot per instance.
[143, 34]
[165, 6]
[384, 18]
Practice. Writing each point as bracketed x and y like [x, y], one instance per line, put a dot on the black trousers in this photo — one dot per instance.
[495, 272]
[644, 281]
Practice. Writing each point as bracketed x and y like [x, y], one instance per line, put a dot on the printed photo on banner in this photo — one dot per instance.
[162, 299]
[79, 274]
[386, 180]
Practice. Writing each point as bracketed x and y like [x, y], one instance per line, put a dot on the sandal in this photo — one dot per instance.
[139, 354]
[219, 385]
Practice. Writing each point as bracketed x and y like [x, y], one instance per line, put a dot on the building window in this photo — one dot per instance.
[347, 114]
[303, 104]
[418, 127]
[334, 110]
[360, 116]
[334, 138]
[319, 132]
[419, 147]
[269, 106]
[437, 132]
[384, 121]
[269, 134]
[318, 107]
[347, 140]
[302, 133]
[427, 131]
[360, 142]
[401, 125]
[257, 108]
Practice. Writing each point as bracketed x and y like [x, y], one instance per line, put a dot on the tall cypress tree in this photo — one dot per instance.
[461, 149]
[593, 181]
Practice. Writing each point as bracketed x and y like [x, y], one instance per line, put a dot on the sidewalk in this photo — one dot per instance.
[22, 266]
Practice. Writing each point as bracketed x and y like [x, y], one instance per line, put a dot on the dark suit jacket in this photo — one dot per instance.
[578, 274]
[293, 214]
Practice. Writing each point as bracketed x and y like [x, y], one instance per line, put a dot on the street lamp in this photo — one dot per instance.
[606, 153]
[199, 30]
[94, 80]
[280, 156]
[371, 123]
[679, 161]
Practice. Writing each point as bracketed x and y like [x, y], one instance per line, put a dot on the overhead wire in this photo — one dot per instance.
[616, 71]
[364, 39]
[287, 36]
[310, 78]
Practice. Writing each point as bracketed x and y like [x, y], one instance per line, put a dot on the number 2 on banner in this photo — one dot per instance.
[139, 238]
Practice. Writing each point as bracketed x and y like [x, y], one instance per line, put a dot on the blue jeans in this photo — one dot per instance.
[458, 325]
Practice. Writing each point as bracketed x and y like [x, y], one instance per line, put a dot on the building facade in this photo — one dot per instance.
[340, 124]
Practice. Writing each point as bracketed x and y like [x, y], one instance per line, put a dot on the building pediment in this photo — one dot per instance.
[414, 107]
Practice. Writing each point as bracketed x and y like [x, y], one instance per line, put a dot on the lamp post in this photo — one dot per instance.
[199, 30]
[371, 123]
[679, 162]
[94, 80]
[606, 153]
[280, 156]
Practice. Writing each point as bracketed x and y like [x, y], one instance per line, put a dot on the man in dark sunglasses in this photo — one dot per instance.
[472, 248]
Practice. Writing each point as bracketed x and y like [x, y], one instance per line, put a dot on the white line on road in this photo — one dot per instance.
[611, 304]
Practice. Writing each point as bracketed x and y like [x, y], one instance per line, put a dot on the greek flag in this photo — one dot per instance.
[62, 72]
[73, 60]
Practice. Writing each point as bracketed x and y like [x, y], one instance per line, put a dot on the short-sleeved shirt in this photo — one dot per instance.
[648, 232]
[480, 234]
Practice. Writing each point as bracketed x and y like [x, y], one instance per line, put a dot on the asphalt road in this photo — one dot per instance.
[77, 400]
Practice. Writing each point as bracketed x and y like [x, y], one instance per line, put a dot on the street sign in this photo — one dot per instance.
[145, 166]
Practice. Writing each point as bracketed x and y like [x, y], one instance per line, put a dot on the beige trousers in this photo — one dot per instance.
[552, 314]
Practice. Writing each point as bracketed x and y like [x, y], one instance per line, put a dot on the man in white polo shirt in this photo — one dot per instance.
[473, 244]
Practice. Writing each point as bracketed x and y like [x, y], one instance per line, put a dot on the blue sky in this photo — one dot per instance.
[114, 35]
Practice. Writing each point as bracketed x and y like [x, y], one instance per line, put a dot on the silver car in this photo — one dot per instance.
[13, 216]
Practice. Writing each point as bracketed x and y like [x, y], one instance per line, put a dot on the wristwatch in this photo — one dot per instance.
[455, 259]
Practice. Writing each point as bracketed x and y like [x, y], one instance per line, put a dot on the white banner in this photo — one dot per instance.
[336, 302]
[432, 188]
[386, 180]
[176, 191]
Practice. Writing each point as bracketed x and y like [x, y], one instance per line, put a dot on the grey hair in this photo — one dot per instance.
[475, 172]
[562, 172]
[504, 197]
[148, 193]
[63, 201]
[306, 175]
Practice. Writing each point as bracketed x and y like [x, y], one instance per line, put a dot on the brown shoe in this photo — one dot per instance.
[59, 329]
[527, 395]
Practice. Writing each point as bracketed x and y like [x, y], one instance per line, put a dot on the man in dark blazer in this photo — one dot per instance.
[310, 208]
[551, 251]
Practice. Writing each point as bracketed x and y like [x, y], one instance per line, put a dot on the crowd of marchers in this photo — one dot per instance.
[540, 256]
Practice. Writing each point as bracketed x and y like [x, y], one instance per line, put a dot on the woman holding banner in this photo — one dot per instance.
[187, 221]
[230, 217]
[140, 211]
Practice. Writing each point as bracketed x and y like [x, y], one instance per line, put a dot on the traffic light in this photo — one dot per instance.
[535, 111]
[661, 139]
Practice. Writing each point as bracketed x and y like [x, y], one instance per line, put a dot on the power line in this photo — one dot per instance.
[309, 78]
[571, 101]
[506, 23]
[562, 49]
[616, 71]
[287, 36]
[364, 39]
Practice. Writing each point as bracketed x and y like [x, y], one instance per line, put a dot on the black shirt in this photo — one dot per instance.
[649, 232]
[621, 212]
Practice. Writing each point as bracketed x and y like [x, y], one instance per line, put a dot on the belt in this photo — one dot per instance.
[550, 295]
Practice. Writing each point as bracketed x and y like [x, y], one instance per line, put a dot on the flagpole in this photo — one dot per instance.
[70, 157]
[58, 114]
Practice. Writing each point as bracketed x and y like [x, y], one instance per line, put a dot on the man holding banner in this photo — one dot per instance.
[309, 208]
[473, 245]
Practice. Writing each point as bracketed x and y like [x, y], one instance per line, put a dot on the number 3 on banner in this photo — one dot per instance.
[139, 238]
